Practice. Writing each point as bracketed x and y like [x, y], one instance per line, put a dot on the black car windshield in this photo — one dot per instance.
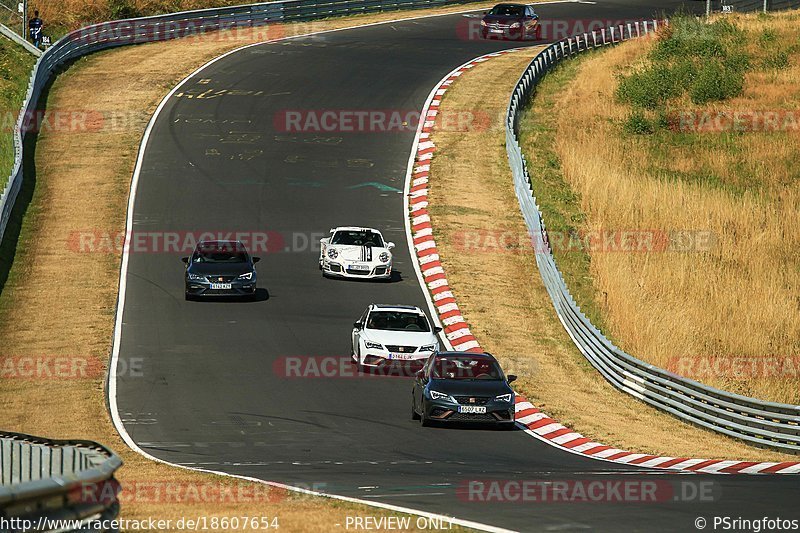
[397, 321]
[357, 238]
[504, 10]
[465, 367]
[220, 253]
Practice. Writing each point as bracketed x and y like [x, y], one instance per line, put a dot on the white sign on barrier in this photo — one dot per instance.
[727, 9]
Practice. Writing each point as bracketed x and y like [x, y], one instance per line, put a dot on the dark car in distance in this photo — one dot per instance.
[220, 268]
[510, 21]
[463, 387]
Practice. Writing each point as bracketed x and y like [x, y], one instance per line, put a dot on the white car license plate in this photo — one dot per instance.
[472, 409]
[359, 267]
[401, 356]
[221, 286]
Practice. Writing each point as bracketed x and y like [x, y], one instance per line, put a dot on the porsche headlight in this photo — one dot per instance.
[196, 277]
[504, 397]
[384, 257]
[246, 275]
[436, 395]
[373, 345]
[332, 253]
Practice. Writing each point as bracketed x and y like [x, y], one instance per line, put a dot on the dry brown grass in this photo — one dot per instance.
[740, 300]
[501, 294]
[82, 182]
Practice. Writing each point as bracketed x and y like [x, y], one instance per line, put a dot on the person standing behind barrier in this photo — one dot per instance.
[35, 28]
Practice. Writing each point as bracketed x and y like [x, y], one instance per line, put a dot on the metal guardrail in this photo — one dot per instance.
[164, 27]
[761, 423]
[43, 481]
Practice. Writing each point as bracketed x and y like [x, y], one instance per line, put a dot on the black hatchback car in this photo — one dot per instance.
[220, 268]
[511, 21]
[462, 387]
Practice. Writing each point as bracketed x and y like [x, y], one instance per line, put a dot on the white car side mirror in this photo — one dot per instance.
[389, 245]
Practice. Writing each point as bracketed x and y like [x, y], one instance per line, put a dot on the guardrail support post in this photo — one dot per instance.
[630, 31]
[603, 33]
[612, 34]
[638, 33]
[655, 24]
[594, 38]
[644, 23]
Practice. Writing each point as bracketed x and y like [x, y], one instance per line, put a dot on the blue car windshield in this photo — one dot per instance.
[508, 11]
[465, 367]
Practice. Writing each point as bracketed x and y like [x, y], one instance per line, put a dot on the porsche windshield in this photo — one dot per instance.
[397, 321]
[465, 367]
[357, 238]
[507, 11]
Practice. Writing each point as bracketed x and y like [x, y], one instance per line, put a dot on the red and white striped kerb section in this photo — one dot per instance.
[458, 333]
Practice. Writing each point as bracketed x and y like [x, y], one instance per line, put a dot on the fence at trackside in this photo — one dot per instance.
[763, 424]
[45, 480]
[164, 27]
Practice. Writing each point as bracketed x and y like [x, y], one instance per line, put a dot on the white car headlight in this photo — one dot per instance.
[514, 25]
[246, 275]
[196, 277]
[427, 348]
[504, 397]
[384, 257]
[373, 345]
[332, 253]
[436, 395]
[483, 23]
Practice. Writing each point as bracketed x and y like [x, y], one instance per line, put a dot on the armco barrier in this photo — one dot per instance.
[764, 424]
[42, 480]
[163, 27]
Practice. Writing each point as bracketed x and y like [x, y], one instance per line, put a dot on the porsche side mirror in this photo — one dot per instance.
[389, 245]
[185, 259]
[256, 259]
[511, 378]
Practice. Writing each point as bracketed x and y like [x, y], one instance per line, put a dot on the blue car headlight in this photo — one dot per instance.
[246, 275]
[504, 397]
[195, 277]
[436, 395]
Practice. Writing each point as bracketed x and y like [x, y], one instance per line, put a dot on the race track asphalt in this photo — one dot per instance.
[209, 388]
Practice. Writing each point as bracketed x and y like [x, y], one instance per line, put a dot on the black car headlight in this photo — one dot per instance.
[504, 397]
[514, 25]
[436, 395]
[195, 277]
[332, 253]
[246, 276]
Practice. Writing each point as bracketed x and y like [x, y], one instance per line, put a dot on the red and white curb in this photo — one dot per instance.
[459, 336]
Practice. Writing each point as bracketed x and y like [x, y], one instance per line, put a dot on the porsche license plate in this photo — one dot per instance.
[359, 267]
[401, 356]
[221, 286]
[472, 409]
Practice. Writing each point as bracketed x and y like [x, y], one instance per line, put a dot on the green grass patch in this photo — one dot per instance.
[15, 70]
[560, 205]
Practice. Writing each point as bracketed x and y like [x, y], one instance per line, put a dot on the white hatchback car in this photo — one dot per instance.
[388, 334]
